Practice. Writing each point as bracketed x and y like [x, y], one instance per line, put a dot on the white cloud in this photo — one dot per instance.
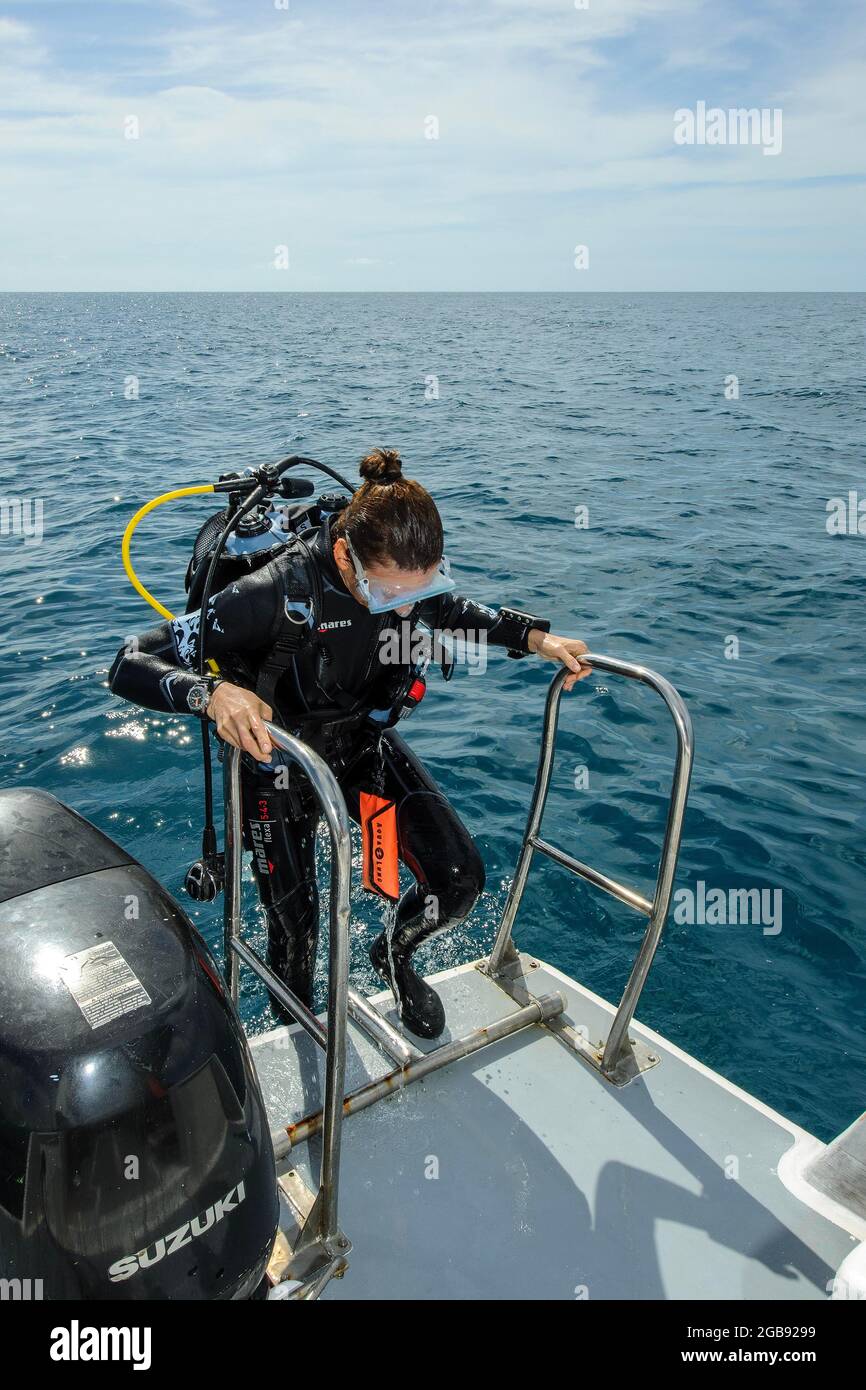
[296, 129]
[12, 31]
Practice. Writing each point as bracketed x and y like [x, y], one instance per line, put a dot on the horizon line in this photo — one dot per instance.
[575, 293]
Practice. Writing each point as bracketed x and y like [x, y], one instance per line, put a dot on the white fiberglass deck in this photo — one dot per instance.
[520, 1173]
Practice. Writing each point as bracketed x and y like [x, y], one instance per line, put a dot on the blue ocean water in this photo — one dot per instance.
[707, 523]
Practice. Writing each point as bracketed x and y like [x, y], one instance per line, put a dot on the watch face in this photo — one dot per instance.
[197, 698]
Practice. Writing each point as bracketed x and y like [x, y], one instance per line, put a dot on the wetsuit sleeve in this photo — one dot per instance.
[159, 668]
[464, 617]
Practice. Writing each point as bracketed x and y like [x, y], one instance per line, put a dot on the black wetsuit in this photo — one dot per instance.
[325, 695]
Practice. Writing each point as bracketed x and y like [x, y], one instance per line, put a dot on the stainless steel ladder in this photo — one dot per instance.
[319, 1250]
[619, 1058]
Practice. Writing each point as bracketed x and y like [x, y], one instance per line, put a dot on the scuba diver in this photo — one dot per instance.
[308, 639]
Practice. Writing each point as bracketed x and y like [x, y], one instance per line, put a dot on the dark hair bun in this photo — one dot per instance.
[382, 466]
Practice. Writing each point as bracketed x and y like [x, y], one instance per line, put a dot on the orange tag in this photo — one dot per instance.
[379, 845]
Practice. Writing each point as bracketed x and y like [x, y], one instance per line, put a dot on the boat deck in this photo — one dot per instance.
[520, 1173]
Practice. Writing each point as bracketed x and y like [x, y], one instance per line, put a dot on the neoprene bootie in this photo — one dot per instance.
[420, 1007]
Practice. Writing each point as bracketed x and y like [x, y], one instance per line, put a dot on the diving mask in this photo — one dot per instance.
[381, 596]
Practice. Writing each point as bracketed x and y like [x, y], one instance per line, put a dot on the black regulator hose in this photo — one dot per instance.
[210, 858]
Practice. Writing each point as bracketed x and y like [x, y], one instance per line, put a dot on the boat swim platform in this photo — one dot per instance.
[520, 1172]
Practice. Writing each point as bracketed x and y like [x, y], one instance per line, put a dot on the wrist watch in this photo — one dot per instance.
[198, 697]
[523, 624]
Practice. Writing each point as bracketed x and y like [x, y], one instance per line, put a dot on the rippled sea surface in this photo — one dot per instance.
[707, 557]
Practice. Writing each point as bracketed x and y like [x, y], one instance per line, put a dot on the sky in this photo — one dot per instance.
[286, 145]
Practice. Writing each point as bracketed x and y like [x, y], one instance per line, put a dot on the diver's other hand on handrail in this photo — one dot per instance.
[239, 715]
[565, 650]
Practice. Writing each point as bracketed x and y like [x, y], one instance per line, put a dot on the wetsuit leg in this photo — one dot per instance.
[280, 830]
[438, 849]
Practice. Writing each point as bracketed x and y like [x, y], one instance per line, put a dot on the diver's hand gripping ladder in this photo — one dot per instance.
[620, 1058]
[319, 1252]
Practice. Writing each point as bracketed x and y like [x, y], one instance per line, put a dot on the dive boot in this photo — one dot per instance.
[420, 1007]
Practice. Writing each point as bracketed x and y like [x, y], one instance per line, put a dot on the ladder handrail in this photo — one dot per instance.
[322, 1223]
[503, 950]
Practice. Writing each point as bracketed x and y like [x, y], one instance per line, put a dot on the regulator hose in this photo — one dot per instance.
[130, 531]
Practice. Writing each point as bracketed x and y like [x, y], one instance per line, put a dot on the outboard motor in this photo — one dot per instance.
[135, 1152]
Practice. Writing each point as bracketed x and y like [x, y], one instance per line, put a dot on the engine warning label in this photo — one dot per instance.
[103, 984]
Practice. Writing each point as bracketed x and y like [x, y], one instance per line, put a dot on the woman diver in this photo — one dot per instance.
[308, 639]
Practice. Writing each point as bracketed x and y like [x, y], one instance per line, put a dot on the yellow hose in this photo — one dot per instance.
[128, 534]
[127, 537]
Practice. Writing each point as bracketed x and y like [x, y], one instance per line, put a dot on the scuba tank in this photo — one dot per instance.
[259, 537]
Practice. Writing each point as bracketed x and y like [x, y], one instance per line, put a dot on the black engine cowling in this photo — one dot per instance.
[135, 1152]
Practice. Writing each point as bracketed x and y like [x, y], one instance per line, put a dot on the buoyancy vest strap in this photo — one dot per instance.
[274, 667]
[302, 601]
